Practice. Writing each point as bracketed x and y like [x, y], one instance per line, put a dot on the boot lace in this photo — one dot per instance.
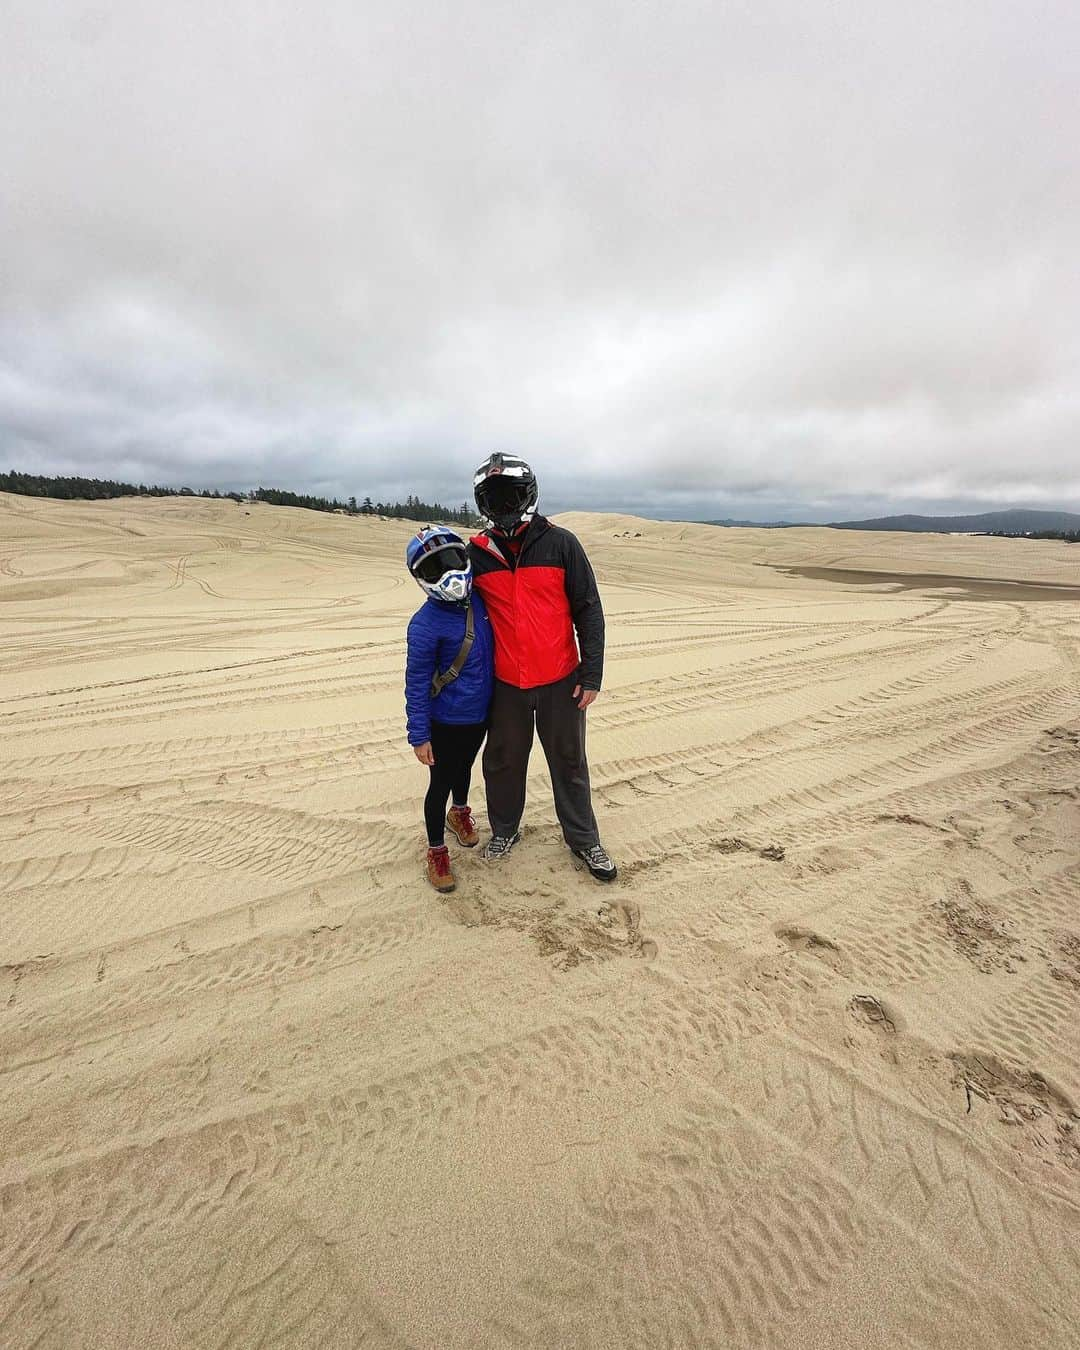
[441, 858]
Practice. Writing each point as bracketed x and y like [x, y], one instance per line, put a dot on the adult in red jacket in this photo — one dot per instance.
[548, 623]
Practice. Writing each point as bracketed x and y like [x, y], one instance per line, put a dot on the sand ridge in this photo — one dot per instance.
[805, 1077]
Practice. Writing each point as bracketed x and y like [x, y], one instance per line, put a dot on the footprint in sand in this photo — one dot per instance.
[612, 929]
[799, 939]
[1048, 1121]
[872, 1012]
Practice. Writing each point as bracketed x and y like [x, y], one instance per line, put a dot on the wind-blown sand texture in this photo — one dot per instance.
[807, 1076]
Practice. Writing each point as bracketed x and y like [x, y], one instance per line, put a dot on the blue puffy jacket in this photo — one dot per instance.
[436, 632]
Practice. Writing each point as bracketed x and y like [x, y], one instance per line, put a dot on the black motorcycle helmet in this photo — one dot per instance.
[506, 492]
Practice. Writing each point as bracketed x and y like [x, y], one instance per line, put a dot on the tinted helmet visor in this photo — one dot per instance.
[448, 558]
[501, 495]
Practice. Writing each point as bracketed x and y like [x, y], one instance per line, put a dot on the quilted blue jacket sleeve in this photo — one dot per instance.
[420, 666]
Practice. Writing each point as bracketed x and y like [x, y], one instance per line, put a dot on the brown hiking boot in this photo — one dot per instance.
[459, 820]
[438, 869]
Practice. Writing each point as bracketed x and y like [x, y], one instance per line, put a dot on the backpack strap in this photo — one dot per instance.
[439, 683]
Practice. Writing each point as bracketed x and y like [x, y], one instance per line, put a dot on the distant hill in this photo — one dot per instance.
[1015, 521]
[752, 524]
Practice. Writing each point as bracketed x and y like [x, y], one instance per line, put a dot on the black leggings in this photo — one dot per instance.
[454, 748]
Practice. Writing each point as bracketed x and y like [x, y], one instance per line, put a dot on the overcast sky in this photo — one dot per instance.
[812, 258]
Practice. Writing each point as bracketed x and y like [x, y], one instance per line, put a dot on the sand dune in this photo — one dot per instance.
[807, 1076]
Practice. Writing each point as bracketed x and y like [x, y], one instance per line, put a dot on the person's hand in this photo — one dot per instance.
[584, 696]
[424, 753]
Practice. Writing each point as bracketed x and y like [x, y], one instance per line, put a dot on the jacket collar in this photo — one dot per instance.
[449, 606]
[494, 544]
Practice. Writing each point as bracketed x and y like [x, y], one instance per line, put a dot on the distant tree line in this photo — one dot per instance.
[98, 489]
[412, 508]
[1069, 536]
[95, 489]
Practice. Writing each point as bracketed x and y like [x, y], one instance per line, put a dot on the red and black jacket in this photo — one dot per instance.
[537, 602]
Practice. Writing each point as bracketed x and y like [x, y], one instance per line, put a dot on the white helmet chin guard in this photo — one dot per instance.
[451, 586]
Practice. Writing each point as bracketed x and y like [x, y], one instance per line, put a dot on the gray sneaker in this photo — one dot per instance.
[498, 846]
[597, 861]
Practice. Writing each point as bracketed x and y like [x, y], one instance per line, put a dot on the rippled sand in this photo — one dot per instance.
[807, 1076]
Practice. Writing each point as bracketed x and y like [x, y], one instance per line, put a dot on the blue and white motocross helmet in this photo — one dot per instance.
[439, 560]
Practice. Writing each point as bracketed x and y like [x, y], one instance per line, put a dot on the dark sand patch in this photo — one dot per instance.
[963, 587]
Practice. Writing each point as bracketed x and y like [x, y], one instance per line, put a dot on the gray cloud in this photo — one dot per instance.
[760, 259]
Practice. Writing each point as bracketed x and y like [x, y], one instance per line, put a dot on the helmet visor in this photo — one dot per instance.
[500, 495]
[449, 558]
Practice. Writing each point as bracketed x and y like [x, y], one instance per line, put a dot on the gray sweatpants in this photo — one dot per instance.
[560, 724]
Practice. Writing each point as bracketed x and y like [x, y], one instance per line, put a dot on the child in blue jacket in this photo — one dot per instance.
[447, 712]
